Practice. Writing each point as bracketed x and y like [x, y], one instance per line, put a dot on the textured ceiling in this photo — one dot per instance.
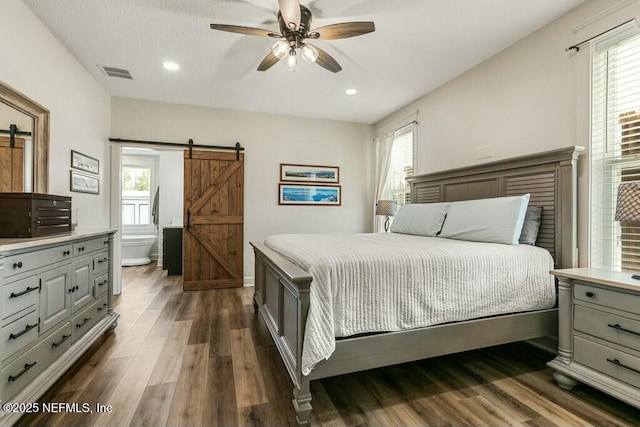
[418, 45]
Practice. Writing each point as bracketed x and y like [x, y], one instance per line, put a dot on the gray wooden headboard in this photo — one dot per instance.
[550, 177]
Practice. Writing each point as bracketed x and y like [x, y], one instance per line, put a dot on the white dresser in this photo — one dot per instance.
[56, 300]
[599, 332]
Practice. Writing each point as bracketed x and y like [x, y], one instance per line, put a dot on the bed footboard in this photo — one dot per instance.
[281, 297]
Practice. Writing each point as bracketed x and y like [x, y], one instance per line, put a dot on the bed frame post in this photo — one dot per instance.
[302, 401]
[282, 298]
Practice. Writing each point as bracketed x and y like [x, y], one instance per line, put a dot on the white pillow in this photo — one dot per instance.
[497, 220]
[422, 219]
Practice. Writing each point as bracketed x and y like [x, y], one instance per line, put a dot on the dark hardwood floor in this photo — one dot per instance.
[204, 359]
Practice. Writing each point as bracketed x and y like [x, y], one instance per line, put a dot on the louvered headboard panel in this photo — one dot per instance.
[550, 177]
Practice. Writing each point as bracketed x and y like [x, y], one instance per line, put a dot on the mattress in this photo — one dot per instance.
[364, 283]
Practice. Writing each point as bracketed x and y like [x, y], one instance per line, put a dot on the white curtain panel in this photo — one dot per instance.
[383, 155]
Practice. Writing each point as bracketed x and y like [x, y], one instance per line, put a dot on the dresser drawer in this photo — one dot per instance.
[101, 284]
[614, 363]
[607, 298]
[607, 326]
[100, 262]
[18, 334]
[84, 321]
[102, 308]
[19, 295]
[91, 245]
[16, 264]
[26, 367]
[56, 343]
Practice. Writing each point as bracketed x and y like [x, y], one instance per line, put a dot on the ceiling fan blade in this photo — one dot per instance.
[268, 62]
[244, 30]
[343, 30]
[290, 11]
[326, 61]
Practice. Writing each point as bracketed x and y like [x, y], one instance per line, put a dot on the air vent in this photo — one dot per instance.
[116, 72]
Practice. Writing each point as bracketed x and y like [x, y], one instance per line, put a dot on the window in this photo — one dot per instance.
[400, 167]
[615, 147]
[138, 180]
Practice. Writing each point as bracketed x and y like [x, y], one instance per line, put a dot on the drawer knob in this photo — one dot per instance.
[26, 291]
[103, 307]
[590, 294]
[17, 264]
[622, 365]
[24, 331]
[27, 366]
[84, 322]
[81, 249]
[620, 328]
[65, 253]
[59, 343]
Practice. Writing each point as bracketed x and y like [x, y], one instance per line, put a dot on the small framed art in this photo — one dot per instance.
[309, 194]
[309, 173]
[84, 163]
[81, 183]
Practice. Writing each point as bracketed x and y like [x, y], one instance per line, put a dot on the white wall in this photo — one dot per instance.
[171, 185]
[36, 64]
[268, 140]
[531, 97]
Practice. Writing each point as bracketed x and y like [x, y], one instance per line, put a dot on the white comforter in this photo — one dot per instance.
[389, 282]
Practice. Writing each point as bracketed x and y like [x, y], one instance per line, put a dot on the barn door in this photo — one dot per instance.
[11, 165]
[213, 213]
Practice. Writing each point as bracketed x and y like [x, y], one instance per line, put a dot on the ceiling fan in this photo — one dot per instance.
[295, 28]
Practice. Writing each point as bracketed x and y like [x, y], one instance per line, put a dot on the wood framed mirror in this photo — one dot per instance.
[39, 137]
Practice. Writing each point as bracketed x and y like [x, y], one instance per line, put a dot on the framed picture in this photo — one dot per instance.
[82, 183]
[84, 163]
[309, 173]
[304, 194]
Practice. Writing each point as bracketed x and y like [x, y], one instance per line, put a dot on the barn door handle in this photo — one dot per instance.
[188, 219]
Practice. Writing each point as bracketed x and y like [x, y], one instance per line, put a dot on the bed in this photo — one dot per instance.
[283, 288]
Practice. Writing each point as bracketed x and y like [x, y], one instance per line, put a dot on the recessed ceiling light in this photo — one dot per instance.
[351, 91]
[171, 66]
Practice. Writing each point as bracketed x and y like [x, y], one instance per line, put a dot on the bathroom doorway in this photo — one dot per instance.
[147, 186]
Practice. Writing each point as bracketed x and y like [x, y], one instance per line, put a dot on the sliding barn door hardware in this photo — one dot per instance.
[13, 131]
[190, 144]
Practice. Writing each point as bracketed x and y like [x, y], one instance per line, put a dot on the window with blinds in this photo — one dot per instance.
[615, 146]
[400, 167]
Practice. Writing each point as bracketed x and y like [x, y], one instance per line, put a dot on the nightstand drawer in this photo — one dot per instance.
[607, 298]
[614, 363]
[610, 327]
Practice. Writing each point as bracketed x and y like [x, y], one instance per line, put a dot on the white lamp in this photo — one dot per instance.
[387, 208]
[628, 205]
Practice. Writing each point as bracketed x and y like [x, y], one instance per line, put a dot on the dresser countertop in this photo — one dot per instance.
[616, 279]
[13, 244]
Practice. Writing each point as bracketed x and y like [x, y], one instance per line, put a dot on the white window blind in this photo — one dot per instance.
[615, 146]
[401, 167]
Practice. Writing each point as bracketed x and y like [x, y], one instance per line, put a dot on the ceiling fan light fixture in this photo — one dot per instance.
[309, 53]
[292, 61]
[280, 49]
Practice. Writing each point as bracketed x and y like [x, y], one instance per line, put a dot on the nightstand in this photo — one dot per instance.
[599, 332]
